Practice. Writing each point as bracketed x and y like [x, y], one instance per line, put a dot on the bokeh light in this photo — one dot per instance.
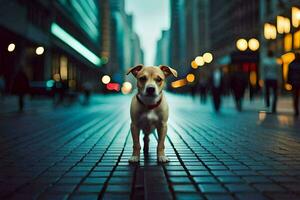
[241, 44]
[194, 65]
[11, 47]
[126, 87]
[199, 60]
[253, 44]
[105, 79]
[207, 57]
[190, 78]
[39, 50]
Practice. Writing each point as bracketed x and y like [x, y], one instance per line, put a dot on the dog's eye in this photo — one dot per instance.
[143, 78]
[158, 79]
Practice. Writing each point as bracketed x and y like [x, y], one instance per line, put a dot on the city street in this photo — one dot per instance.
[81, 152]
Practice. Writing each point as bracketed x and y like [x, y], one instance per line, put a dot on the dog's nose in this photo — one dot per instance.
[150, 90]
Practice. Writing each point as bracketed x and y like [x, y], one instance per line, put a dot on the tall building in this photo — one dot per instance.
[125, 44]
[163, 49]
[229, 21]
[178, 37]
[58, 39]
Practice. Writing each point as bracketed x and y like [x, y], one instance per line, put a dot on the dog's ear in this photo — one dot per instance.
[168, 70]
[135, 70]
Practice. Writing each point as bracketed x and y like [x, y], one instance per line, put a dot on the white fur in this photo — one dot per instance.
[163, 159]
[134, 159]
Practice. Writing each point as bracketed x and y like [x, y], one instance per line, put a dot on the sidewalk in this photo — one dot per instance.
[82, 153]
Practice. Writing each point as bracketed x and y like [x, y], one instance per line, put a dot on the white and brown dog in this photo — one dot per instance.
[149, 109]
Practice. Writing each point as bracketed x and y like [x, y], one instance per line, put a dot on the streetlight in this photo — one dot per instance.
[190, 78]
[207, 57]
[194, 65]
[199, 60]
[105, 79]
[39, 50]
[11, 47]
[241, 44]
[253, 44]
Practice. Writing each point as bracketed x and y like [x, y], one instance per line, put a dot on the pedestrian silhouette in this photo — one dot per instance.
[238, 84]
[87, 90]
[271, 75]
[21, 87]
[294, 80]
[203, 86]
[216, 88]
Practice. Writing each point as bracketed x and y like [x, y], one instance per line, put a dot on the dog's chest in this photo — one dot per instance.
[148, 118]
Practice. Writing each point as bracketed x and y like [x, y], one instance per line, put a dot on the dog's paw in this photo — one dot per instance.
[134, 159]
[163, 159]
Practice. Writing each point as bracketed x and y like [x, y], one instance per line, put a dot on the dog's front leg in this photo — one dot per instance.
[162, 132]
[135, 133]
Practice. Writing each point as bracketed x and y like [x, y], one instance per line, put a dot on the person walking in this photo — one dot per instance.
[21, 87]
[271, 76]
[203, 86]
[294, 80]
[238, 84]
[216, 88]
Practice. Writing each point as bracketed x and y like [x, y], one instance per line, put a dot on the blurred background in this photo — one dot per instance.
[67, 48]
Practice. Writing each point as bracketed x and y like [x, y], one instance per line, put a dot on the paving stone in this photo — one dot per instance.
[188, 196]
[239, 188]
[211, 188]
[90, 188]
[184, 188]
[176, 180]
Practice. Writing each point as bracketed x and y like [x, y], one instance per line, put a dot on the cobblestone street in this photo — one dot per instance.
[82, 153]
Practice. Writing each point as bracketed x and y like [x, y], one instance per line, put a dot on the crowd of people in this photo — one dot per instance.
[60, 91]
[238, 81]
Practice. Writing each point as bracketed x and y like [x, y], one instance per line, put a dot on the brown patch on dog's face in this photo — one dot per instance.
[150, 81]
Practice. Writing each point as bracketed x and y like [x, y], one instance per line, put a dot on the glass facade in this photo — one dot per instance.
[87, 16]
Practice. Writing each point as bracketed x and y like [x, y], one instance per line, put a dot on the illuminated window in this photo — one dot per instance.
[283, 24]
[295, 16]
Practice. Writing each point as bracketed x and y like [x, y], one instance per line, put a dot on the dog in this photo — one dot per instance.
[149, 109]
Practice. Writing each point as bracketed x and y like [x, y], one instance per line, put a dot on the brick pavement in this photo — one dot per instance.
[82, 153]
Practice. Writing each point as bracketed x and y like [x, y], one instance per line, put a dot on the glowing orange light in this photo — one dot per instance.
[297, 40]
[288, 42]
[178, 83]
[288, 87]
[190, 78]
[194, 64]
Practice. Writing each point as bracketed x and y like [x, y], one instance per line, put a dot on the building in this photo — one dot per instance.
[125, 45]
[162, 56]
[58, 39]
[281, 38]
[178, 37]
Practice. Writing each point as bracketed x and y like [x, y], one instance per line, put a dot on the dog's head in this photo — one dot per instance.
[150, 80]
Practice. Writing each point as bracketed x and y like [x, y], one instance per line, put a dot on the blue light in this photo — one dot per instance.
[50, 83]
[75, 44]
